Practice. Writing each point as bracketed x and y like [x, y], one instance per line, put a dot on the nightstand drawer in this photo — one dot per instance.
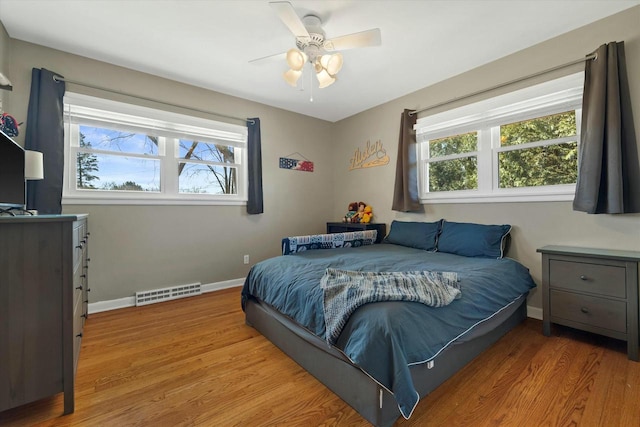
[594, 278]
[594, 311]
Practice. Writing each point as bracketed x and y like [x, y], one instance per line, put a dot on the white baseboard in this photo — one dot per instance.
[114, 304]
[534, 312]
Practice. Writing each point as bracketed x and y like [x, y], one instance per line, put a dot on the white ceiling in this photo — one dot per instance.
[209, 43]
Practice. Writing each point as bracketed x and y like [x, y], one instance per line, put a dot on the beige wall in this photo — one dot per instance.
[4, 64]
[136, 248]
[144, 247]
[535, 224]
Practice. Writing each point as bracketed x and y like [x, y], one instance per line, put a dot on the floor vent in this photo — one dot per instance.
[166, 294]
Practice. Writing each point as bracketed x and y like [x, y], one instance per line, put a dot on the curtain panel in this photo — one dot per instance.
[405, 191]
[609, 170]
[45, 133]
[254, 159]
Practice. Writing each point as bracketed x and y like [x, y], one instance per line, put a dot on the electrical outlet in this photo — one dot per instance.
[246, 259]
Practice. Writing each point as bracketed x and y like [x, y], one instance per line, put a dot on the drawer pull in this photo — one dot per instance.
[79, 335]
[79, 247]
[83, 275]
[583, 277]
[84, 315]
[79, 288]
[585, 310]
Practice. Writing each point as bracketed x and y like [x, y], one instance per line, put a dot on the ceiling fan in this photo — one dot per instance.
[314, 48]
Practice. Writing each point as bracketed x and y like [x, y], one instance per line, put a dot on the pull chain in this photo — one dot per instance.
[311, 83]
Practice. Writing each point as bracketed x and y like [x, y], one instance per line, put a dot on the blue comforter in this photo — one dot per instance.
[385, 338]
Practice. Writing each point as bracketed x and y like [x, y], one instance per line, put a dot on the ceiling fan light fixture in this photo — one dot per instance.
[296, 59]
[332, 63]
[292, 77]
[325, 79]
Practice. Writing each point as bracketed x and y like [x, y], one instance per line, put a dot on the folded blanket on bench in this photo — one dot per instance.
[293, 244]
[345, 291]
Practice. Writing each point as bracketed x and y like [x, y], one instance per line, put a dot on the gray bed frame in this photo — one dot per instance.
[332, 368]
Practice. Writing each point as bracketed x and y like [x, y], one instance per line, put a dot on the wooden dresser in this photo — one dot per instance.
[43, 306]
[595, 290]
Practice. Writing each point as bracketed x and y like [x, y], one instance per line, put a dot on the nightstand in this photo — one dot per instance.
[594, 290]
[345, 227]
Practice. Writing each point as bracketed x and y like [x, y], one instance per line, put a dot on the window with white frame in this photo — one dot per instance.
[522, 146]
[122, 153]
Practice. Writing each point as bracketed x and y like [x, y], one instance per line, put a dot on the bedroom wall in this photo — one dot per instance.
[135, 248]
[4, 65]
[535, 224]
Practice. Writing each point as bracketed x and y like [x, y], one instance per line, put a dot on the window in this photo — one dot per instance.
[521, 146]
[121, 153]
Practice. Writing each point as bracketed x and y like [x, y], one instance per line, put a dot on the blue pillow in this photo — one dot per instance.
[419, 235]
[473, 240]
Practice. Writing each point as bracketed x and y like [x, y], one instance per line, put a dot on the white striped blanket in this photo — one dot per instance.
[345, 291]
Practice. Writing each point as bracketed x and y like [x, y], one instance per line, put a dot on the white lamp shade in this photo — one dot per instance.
[292, 77]
[296, 59]
[325, 79]
[332, 63]
[33, 165]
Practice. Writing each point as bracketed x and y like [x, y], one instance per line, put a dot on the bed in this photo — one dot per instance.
[388, 354]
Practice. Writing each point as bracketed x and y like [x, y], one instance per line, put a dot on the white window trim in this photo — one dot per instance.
[547, 98]
[172, 125]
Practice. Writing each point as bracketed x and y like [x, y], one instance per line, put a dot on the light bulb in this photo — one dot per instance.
[332, 63]
[296, 59]
[292, 77]
[325, 79]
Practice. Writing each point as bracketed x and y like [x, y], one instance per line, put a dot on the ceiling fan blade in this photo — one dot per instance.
[290, 18]
[351, 41]
[271, 58]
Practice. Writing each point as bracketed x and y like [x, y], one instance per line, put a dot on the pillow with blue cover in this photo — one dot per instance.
[419, 235]
[473, 240]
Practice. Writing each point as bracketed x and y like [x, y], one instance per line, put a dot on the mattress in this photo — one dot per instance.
[385, 339]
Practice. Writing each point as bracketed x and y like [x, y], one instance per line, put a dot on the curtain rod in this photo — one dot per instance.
[61, 79]
[510, 82]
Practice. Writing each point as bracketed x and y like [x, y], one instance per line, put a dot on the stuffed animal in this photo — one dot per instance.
[361, 206]
[367, 215]
[9, 125]
[352, 213]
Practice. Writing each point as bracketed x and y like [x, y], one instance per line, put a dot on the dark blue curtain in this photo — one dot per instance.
[254, 158]
[45, 133]
[609, 171]
[405, 192]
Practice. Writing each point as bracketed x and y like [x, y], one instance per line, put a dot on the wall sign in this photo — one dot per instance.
[372, 155]
[304, 165]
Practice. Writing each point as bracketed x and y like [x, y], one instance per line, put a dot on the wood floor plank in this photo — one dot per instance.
[194, 362]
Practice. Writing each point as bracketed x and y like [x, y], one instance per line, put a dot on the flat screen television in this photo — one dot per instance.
[12, 182]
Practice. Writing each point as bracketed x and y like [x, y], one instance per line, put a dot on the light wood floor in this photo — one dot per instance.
[194, 362]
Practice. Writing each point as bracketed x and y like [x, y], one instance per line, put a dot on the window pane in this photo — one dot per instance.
[457, 144]
[206, 179]
[118, 141]
[456, 174]
[532, 167]
[109, 172]
[540, 129]
[206, 151]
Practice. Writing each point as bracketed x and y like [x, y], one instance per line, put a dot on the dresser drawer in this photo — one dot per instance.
[589, 277]
[594, 311]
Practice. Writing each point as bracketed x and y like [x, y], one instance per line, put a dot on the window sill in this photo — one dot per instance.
[84, 200]
[498, 198]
